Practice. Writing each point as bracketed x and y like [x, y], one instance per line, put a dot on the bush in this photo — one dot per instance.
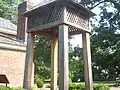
[101, 87]
[82, 87]
[4, 88]
[14, 88]
[71, 87]
[39, 81]
[77, 87]
[10, 88]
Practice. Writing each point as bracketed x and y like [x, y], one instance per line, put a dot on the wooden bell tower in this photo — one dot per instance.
[57, 20]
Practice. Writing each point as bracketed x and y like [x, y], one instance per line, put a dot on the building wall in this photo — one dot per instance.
[12, 64]
[12, 53]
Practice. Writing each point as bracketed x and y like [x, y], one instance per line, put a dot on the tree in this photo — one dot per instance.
[105, 42]
[76, 64]
[42, 57]
[8, 9]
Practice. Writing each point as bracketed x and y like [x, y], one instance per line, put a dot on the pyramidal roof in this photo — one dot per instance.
[46, 3]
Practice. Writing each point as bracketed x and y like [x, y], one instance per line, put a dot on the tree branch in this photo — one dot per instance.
[88, 2]
[96, 5]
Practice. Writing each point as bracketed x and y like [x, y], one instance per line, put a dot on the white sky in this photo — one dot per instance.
[78, 38]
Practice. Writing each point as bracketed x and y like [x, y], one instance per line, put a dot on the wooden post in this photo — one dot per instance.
[63, 57]
[87, 61]
[28, 62]
[54, 63]
[32, 76]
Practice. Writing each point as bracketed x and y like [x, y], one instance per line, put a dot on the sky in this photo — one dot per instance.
[77, 38]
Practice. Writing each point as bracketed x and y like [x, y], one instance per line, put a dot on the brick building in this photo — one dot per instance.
[12, 53]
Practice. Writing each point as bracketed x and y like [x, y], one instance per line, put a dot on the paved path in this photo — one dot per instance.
[113, 88]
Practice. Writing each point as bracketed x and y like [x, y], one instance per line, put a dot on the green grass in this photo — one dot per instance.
[98, 82]
[108, 83]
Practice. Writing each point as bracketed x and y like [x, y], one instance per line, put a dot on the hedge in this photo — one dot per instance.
[82, 87]
[13, 88]
[71, 87]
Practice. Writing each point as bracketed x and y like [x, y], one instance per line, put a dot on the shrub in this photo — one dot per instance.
[101, 87]
[4, 88]
[16, 88]
[39, 81]
[13, 88]
[77, 87]
[82, 87]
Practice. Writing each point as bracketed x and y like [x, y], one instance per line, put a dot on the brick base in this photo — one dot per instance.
[12, 65]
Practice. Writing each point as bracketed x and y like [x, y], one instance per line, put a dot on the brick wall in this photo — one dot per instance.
[12, 54]
[12, 65]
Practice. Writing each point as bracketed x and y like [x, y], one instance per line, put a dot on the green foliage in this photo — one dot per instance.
[42, 57]
[8, 9]
[13, 88]
[4, 88]
[10, 88]
[82, 87]
[39, 81]
[77, 87]
[101, 87]
[105, 39]
[16, 88]
[76, 65]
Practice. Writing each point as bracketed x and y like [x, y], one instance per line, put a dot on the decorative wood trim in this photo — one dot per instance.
[77, 26]
[12, 47]
[45, 26]
[8, 31]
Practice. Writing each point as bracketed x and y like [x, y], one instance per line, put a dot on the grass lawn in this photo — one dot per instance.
[108, 83]
[98, 82]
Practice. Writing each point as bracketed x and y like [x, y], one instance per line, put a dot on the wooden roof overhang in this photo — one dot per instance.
[45, 19]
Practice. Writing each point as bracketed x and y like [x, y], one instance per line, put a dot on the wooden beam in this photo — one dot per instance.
[75, 33]
[87, 61]
[63, 57]
[82, 29]
[45, 26]
[28, 62]
[43, 33]
[54, 63]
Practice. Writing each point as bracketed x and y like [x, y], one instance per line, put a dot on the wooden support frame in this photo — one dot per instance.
[54, 63]
[65, 19]
[63, 57]
[87, 61]
[29, 62]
